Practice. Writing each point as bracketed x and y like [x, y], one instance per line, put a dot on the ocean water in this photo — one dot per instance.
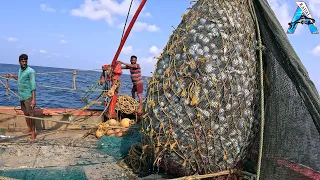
[57, 98]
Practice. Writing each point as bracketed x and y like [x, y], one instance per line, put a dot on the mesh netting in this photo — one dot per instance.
[64, 173]
[291, 139]
[203, 100]
[118, 147]
[200, 101]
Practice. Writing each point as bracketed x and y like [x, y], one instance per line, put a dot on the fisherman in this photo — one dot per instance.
[136, 78]
[27, 91]
[113, 75]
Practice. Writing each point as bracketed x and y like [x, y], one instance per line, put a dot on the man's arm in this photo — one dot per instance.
[33, 102]
[32, 77]
[129, 65]
[124, 67]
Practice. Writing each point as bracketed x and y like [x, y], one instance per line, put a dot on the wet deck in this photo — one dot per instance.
[59, 154]
[65, 154]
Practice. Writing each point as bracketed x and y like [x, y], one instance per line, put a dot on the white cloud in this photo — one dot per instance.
[127, 49]
[46, 8]
[67, 57]
[11, 39]
[153, 28]
[316, 51]
[141, 26]
[150, 59]
[154, 50]
[107, 10]
[148, 64]
[281, 9]
[43, 51]
[62, 41]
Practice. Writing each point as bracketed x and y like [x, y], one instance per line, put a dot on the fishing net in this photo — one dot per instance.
[291, 136]
[203, 102]
[63, 173]
[138, 160]
[118, 147]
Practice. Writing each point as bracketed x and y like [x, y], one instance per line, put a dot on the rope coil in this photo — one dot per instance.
[138, 158]
[126, 104]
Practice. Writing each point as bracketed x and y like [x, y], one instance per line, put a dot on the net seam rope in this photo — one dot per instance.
[252, 10]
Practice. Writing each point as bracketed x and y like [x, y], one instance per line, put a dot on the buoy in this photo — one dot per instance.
[110, 132]
[99, 133]
[117, 130]
[112, 122]
[125, 122]
[105, 126]
[100, 125]
[119, 134]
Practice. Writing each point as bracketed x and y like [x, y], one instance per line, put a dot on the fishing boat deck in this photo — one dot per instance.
[63, 152]
[49, 118]
[59, 154]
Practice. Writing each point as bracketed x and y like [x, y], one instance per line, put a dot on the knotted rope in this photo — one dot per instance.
[126, 104]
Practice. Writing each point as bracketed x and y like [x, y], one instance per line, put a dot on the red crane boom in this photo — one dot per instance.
[123, 40]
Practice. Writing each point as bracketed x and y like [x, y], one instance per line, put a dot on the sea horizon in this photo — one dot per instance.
[66, 68]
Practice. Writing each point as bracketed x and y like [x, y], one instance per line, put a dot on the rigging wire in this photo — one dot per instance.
[125, 24]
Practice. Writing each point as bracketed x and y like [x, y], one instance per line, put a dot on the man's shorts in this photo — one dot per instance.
[26, 106]
[138, 88]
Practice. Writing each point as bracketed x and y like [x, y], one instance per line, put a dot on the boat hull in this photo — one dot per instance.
[53, 118]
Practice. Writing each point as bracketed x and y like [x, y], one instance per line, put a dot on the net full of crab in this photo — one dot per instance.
[201, 114]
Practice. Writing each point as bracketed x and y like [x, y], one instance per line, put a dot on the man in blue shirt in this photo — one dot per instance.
[26, 87]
